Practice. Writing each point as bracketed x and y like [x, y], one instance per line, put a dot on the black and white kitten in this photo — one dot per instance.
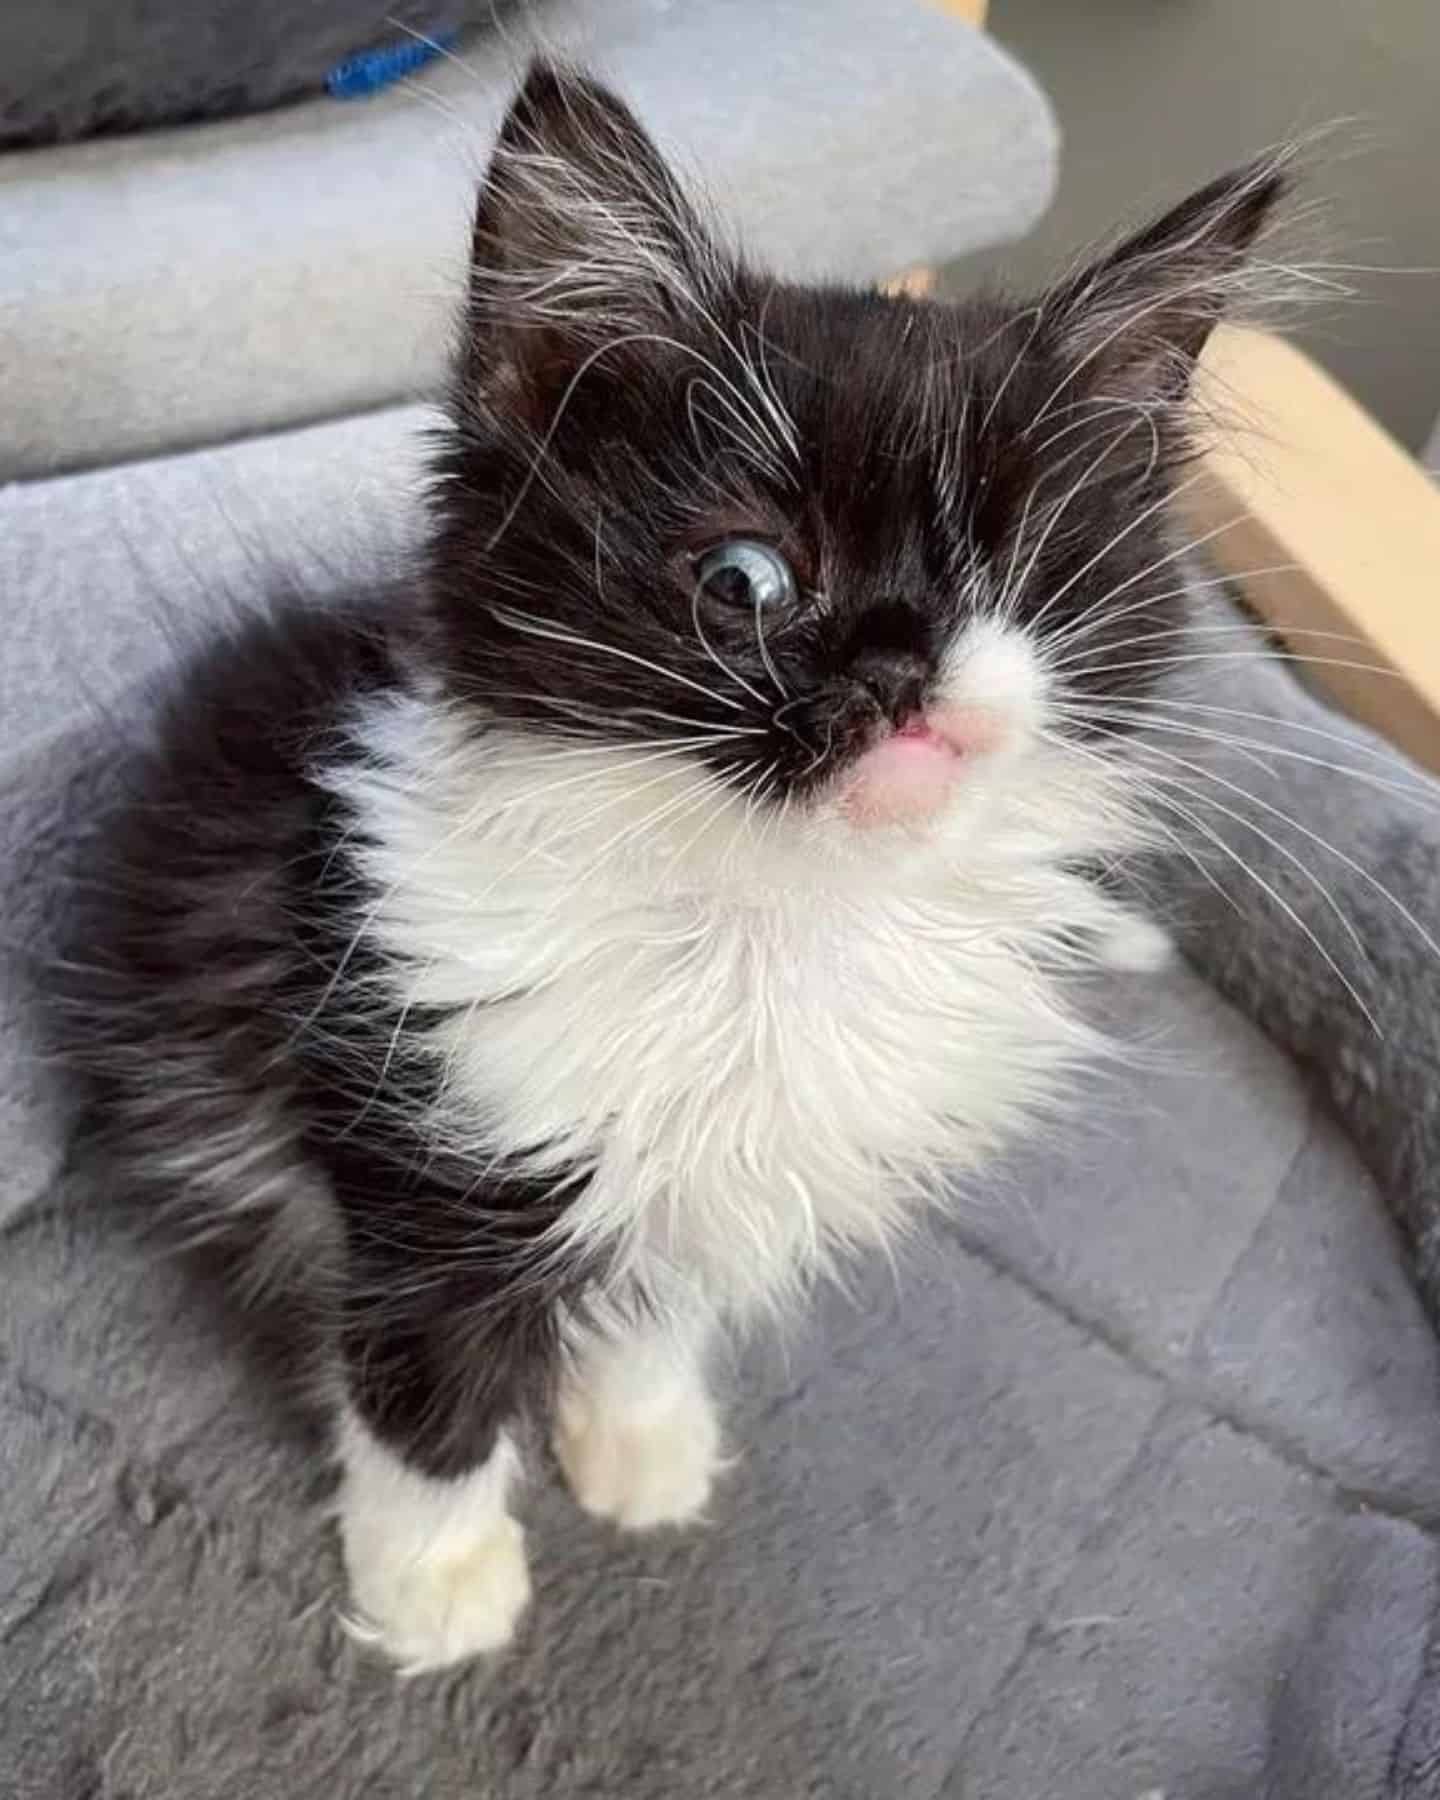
[533, 967]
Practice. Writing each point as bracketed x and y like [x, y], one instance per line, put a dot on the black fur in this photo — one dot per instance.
[223, 983]
[612, 420]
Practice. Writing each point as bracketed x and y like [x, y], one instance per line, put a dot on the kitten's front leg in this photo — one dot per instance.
[635, 1429]
[1133, 944]
[1124, 938]
[436, 1563]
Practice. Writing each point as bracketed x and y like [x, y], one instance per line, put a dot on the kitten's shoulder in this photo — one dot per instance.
[277, 672]
[217, 786]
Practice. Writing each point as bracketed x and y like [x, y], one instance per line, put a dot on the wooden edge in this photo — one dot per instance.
[1305, 485]
[918, 283]
[972, 11]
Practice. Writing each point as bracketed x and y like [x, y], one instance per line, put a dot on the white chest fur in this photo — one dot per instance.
[763, 1057]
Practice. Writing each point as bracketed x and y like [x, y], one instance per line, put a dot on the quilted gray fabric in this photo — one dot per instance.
[1126, 1482]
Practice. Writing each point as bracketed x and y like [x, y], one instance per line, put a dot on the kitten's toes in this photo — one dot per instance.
[428, 1610]
[639, 1472]
[1136, 945]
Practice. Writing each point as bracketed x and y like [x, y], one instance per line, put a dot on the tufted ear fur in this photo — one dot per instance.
[583, 241]
[1134, 322]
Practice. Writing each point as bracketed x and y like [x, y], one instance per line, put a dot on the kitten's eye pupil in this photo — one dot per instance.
[745, 572]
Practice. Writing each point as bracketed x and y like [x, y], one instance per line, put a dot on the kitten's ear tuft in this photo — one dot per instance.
[1136, 320]
[582, 235]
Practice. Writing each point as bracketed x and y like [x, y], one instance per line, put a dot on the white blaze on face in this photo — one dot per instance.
[988, 706]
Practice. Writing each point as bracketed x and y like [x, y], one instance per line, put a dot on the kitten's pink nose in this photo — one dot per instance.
[907, 775]
[964, 730]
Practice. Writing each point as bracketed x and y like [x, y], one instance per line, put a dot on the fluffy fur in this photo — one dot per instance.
[532, 966]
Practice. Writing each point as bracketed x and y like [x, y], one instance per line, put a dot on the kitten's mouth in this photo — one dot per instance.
[908, 774]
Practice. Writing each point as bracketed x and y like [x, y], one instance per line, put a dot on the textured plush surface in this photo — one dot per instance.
[1367, 833]
[182, 287]
[1371, 839]
[1128, 1478]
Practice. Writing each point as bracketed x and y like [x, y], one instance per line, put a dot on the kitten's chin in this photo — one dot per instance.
[909, 776]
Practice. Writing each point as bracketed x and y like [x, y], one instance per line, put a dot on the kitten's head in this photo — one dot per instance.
[847, 566]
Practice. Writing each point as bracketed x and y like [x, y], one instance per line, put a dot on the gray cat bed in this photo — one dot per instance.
[1127, 1481]
[1125, 1484]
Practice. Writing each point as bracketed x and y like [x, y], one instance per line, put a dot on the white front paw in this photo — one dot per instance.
[639, 1472]
[1136, 946]
[428, 1608]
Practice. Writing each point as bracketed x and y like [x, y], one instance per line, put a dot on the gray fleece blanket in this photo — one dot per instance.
[1125, 1483]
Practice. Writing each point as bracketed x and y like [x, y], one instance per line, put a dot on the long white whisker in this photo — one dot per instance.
[1314, 837]
[709, 649]
[1009, 587]
[611, 720]
[1159, 562]
[569, 831]
[1099, 613]
[1129, 320]
[1095, 410]
[1263, 653]
[1016, 361]
[1084, 659]
[1279, 899]
[540, 628]
[661, 747]
[562, 405]
[1008, 602]
[640, 760]
[765, 656]
[725, 796]
[1173, 838]
[1117, 539]
[638, 828]
[431, 43]
[1388, 757]
[1238, 818]
[1151, 718]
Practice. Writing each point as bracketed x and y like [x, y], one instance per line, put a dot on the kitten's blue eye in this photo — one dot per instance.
[745, 572]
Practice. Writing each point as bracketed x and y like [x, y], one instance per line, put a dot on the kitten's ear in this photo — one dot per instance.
[582, 237]
[1136, 320]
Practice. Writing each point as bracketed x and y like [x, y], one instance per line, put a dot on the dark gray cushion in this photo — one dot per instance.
[72, 68]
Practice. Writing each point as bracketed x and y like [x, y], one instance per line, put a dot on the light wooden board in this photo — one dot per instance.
[973, 10]
[1303, 477]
